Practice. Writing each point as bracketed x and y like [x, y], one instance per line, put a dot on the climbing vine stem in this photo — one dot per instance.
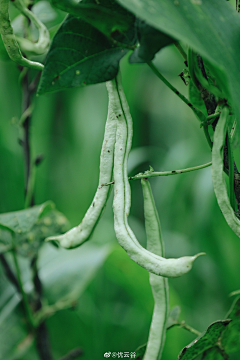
[196, 111]
[151, 173]
[181, 50]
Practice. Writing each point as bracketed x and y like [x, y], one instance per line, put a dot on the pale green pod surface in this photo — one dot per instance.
[42, 45]
[81, 233]
[219, 183]
[159, 284]
[129, 123]
[126, 238]
[9, 39]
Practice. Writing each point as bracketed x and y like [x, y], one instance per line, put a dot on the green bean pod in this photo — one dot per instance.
[81, 233]
[218, 179]
[42, 45]
[9, 39]
[158, 284]
[125, 236]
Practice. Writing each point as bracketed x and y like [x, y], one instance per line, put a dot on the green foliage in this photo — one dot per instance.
[22, 221]
[217, 40]
[106, 16]
[80, 55]
[66, 276]
[230, 337]
[29, 228]
[150, 41]
[110, 298]
[195, 97]
[205, 341]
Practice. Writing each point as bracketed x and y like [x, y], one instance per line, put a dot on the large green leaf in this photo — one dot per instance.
[30, 228]
[68, 272]
[23, 220]
[64, 274]
[150, 40]
[206, 340]
[107, 16]
[13, 331]
[80, 55]
[230, 339]
[53, 223]
[209, 27]
[195, 97]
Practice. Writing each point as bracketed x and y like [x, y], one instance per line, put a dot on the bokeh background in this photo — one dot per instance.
[114, 303]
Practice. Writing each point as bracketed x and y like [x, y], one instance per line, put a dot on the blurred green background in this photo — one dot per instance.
[114, 301]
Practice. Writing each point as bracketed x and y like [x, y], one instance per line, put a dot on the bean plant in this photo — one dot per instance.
[65, 44]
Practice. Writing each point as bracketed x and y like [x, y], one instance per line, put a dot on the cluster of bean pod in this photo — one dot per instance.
[14, 45]
[113, 163]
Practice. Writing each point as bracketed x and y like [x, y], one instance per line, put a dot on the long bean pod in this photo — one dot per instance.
[158, 284]
[41, 46]
[81, 233]
[219, 183]
[9, 39]
[126, 238]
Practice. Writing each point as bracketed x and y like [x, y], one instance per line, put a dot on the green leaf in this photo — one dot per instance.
[212, 354]
[3, 52]
[80, 55]
[107, 16]
[68, 272]
[23, 220]
[54, 223]
[31, 227]
[5, 239]
[211, 28]
[151, 41]
[63, 274]
[173, 317]
[206, 340]
[12, 330]
[230, 337]
[195, 97]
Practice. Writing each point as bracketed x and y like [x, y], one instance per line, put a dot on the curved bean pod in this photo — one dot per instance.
[81, 233]
[159, 284]
[219, 183]
[41, 46]
[126, 238]
[9, 39]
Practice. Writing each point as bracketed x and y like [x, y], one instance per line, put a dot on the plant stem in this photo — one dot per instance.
[149, 174]
[26, 142]
[167, 173]
[189, 328]
[42, 337]
[196, 111]
[181, 50]
[41, 333]
[48, 311]
[9, 274]
[28, 311]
